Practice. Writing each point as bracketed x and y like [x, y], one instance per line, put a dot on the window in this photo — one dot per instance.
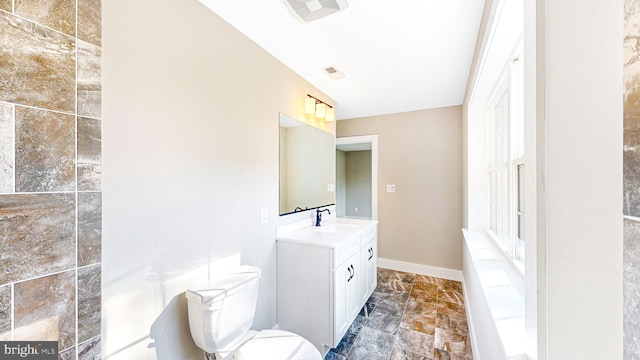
[506, 167]
[498, 168]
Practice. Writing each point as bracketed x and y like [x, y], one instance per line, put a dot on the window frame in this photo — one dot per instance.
[509, 84]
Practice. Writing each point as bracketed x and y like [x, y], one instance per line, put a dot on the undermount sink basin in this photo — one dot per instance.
[335, 228]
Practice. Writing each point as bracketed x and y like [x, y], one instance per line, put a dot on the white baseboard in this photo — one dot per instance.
[434, 271]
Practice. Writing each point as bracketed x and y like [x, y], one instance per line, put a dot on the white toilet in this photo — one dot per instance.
[221, 314]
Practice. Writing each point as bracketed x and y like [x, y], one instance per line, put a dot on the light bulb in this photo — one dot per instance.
[320, 110]
[330, 114]
[309, 105]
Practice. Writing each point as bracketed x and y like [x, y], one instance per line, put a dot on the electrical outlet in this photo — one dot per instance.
[391, 188]
[264, 215]
[355, 210]
[330, 187]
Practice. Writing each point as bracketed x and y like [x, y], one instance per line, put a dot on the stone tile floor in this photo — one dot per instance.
[410, 317]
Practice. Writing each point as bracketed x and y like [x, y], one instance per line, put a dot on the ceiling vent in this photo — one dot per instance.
[333, 72]
[309, 10]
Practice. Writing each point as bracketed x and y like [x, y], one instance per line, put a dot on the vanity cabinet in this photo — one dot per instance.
[325, 277]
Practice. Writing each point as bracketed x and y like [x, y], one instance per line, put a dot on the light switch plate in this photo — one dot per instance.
[391, 188]
[330, 187]
[264, 215]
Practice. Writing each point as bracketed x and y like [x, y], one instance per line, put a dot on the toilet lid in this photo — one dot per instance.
[278, 345]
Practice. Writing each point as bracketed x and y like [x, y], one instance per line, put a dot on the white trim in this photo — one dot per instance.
[364, 139]
[487, 41]
[421, 269]
[496, 296]
[632, 218]
[471, 327]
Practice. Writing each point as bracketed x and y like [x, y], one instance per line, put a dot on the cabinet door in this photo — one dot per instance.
[353, 299]
[363, 282]
[368, 278]
[371, 267]
[346, 296]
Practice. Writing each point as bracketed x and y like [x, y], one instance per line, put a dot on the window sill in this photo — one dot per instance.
[495, 294]
[517, 265]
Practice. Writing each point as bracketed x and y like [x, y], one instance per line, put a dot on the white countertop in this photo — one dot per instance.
[331, 234]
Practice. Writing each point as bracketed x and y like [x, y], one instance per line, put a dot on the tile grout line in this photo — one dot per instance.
[35, 22]
[16, 282]
[39, 108]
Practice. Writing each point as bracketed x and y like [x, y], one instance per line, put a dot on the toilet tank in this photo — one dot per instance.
[221, 310]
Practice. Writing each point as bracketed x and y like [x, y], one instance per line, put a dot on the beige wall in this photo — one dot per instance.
[421, 153]
[341, 181]
[188, 164]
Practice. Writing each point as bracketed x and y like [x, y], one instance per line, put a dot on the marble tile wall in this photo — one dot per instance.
[89, 154]
[89, 228]
[40, 69]
[50, 174]
[44, 150]
[89, 304]
[89, 85]
[90, 21]
[5, 313]
[39, 235]
[6, 148]
[632, 290]
[6, 5]
[56, 14]
[631, 158]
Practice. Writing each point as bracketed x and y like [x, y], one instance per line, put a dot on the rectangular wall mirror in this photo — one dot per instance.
[307, 166]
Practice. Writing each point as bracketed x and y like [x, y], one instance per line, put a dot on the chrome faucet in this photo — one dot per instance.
[319, 215]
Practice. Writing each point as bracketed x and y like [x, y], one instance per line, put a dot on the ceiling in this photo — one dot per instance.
[396, 56]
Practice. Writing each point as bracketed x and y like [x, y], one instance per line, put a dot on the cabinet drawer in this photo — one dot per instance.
[344, 251]
[367, 235]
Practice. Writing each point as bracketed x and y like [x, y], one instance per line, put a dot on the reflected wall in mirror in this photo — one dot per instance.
[307, 166]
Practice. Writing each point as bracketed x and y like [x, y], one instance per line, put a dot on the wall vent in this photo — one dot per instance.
[333, 72]
[309, 10]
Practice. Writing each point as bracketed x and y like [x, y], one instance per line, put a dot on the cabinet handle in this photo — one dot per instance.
[370, 254]
[350, 273]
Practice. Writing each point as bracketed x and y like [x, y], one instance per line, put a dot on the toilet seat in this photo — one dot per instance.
[277, 345]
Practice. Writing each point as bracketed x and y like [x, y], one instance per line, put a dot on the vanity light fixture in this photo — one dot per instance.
[322, 110]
